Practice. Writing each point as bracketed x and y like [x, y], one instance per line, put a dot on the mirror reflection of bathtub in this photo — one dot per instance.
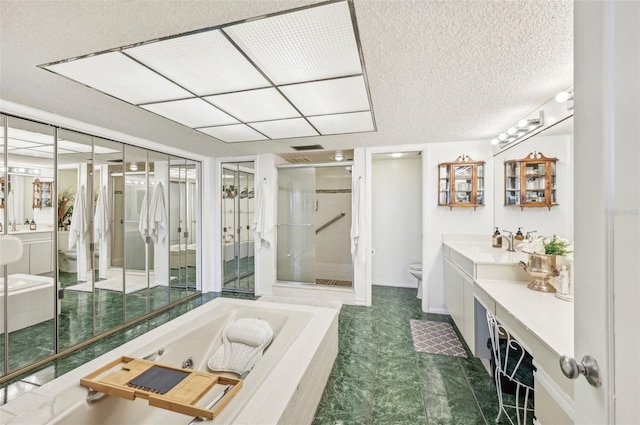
[30, 301]
[181, 250]
[246, 250]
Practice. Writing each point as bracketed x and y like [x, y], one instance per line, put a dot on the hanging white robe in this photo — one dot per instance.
[263, 218]
[101, 230]
[157, 226]
[358, 223]
[143, 225]
[78, 228]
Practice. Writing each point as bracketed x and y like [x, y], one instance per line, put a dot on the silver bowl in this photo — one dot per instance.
[541, 267]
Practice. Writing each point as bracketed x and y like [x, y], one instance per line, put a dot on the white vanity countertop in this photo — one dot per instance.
[38, 230]
[549, 318]
[478, 249]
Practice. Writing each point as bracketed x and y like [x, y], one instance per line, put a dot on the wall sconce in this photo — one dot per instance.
[565, 97]
[521, 130]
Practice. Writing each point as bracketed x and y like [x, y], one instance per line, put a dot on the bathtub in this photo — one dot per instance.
[176, 252]
[30, 301]
[285, 386]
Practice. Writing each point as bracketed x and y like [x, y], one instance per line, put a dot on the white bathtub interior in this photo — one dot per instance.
[195, 335]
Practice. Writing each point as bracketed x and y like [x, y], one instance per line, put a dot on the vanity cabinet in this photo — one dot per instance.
[530, 182]
[461, 183]
[459, 299]
[42, 194]
[3, 191]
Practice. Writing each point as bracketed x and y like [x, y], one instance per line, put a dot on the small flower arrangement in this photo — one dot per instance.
[548, 246]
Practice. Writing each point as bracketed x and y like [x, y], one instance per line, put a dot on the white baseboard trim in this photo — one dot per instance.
[397, 285]
[438, 311]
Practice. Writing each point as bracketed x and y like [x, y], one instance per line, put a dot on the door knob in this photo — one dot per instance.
[587, 367]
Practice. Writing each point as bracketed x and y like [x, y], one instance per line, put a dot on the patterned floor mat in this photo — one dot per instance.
[435, 338]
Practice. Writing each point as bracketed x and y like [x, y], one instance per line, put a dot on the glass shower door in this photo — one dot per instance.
[296, 225]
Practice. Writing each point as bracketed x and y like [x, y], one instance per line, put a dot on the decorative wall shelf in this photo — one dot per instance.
[530, 182]
[42, 192]
[461, 183]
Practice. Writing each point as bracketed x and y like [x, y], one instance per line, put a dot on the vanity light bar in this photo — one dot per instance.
[518, 132]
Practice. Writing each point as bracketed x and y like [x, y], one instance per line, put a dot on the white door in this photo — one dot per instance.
[607, 213]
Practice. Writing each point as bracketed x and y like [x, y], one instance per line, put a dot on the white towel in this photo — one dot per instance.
[78, 229]
[11, 208]
[157, 215]
[101, 217]
[263, 217]
[358, 223]
[143, 225]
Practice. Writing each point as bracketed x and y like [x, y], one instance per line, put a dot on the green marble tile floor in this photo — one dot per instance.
[378, 378]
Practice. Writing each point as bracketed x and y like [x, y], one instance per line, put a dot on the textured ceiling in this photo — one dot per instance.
[437, 70]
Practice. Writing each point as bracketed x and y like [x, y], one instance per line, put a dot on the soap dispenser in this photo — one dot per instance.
[519, 236]
[496, 239]
[32, 225]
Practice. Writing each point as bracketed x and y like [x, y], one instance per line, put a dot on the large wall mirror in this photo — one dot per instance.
[555, 141]
[110, 235]
[28, 213]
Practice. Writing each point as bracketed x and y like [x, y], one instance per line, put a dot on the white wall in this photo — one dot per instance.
[557, 220]
[396, 220]
[441, 220]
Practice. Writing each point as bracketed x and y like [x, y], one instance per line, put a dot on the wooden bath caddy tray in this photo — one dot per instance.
[164, 386]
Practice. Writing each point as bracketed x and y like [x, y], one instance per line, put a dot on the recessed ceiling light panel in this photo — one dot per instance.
[233, 133]
[205, 63]
[284, 129]
[343, 123]
[191, 112]
[309, 44]
[255, 105]
[121, 77]
[329, 96]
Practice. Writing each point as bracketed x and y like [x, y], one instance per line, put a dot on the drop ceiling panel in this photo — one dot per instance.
[308, 44]
[115, 74]
[191, 112]
[329, 97]
[343, 123]
[255, 105]
[283, 129]
[233, 133]
[205, 63]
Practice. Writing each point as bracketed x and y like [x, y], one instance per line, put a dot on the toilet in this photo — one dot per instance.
[416, 270]
[67, 260]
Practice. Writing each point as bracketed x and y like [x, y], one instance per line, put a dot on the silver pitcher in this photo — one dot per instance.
[541, 267]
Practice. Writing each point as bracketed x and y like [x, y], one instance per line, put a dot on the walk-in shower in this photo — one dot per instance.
[314, 221]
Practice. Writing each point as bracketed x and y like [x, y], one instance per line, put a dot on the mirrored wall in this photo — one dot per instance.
[109, 232]
[238, 189]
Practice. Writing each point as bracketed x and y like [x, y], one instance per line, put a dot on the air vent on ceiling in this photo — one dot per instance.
[307, 147]
[300, 160]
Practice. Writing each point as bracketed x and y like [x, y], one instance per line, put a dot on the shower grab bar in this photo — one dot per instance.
[334, 219]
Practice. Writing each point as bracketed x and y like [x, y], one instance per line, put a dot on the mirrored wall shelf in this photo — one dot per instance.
[42, 193]
[530, 182]
[461, 183]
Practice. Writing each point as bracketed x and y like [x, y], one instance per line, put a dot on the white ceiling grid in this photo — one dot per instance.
[292, 74]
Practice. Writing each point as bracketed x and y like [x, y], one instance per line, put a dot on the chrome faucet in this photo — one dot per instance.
[530, 235]
[509, 239]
